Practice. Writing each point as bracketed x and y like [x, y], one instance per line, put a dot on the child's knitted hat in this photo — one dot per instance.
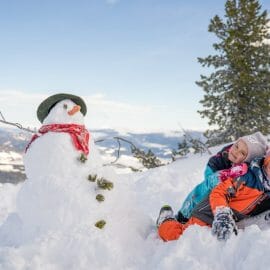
[256, 144]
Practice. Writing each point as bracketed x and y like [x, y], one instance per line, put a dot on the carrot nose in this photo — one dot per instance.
[74, 110]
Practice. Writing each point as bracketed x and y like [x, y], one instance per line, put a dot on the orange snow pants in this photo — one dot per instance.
[172, 229]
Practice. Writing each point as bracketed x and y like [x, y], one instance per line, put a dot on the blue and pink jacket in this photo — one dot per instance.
[246, 195]
[216, 163]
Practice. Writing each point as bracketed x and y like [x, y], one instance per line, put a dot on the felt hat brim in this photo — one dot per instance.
[46, 105]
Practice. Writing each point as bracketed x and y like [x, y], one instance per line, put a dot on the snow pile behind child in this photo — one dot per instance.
[129, 240]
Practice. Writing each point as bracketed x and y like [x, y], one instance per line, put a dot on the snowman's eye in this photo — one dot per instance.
[65, 106]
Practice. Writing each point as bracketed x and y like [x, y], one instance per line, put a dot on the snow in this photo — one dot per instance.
[8, 194]
[47, 222]
[10, 157]
[151, 145]
[6, 168]
[129, 239]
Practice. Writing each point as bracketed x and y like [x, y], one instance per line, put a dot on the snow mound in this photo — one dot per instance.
[129, 239]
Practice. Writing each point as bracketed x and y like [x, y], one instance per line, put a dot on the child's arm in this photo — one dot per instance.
[197, 194]
[202, 190]
[224, 224]
[219, 195]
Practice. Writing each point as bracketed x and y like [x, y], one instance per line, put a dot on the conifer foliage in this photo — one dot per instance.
[189, 145]
[149, 159]
[237, 92]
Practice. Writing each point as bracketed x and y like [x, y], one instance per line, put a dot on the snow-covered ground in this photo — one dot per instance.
[129, 239]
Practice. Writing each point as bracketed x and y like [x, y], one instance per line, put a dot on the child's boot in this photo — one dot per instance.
[165, 214]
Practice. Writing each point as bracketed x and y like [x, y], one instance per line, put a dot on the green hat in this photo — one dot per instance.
[46, 105]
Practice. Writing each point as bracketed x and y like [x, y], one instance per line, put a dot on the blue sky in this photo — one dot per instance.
[134, 61]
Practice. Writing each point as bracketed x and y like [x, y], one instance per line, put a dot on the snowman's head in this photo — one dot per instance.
[62, 109]
[65, 112]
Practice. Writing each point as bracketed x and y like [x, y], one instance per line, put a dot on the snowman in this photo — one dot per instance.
[64, 136]
[58, 161]
[57, 209]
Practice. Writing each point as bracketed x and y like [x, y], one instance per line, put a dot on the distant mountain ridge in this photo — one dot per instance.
[13, 142]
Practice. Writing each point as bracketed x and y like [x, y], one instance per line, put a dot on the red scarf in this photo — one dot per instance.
[79, 135]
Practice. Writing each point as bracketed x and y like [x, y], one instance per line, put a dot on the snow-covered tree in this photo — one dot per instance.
[237, 92]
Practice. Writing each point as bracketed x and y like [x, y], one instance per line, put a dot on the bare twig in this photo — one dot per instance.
[15, 124]
[122, 166]
[125, 140]
[191, 138]
[2, 116]
[118, 151]
[149, 160]
[118, 139]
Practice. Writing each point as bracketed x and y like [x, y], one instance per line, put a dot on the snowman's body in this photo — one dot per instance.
[53, 226]
[54, 171]
[54, 153]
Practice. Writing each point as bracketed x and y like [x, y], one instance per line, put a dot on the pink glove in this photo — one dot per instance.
[233, 172]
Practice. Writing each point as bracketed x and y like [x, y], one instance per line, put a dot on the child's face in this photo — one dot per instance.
[238, 152]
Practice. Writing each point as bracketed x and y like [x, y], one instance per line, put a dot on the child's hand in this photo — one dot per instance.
[223, 225]
[233, 172]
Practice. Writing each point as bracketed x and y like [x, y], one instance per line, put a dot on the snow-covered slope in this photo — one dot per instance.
[129, 239]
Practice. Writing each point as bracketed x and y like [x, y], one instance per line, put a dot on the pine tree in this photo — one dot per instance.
[149, 159]
[237, 93]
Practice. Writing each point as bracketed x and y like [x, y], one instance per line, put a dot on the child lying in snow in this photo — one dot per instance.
[229, 202]
[226, 163]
